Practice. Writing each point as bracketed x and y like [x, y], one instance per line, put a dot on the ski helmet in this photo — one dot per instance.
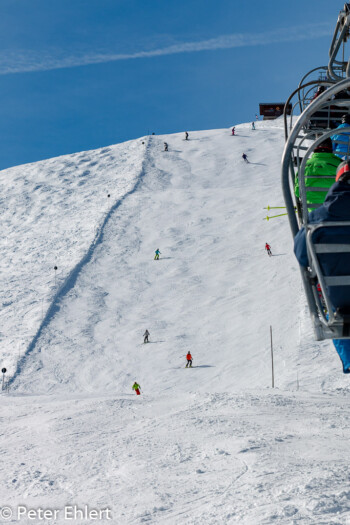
[325, 146]
[343, 172]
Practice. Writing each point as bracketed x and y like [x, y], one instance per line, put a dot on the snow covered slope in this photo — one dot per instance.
[51, 213]
[214, 291]
[213, 444]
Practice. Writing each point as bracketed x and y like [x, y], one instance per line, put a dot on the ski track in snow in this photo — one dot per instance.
[213, 444]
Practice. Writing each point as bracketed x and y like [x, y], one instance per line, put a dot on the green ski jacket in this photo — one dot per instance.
[320, 173]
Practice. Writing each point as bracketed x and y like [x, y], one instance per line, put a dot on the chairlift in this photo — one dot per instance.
[329, 320]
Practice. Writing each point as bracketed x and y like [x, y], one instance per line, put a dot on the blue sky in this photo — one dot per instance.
[82, 74]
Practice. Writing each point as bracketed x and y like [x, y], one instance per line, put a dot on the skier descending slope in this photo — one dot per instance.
[165, 146]
[245, 158]
[145, 336]
[157, 254]
[268, 249]
[137, 388]
[233, 131]
[186, 135]
[189, 360]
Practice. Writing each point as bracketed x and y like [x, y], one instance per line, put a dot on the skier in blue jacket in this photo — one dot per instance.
[336, 207]
[342, 150]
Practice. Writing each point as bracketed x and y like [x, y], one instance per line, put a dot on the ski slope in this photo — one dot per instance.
[212, 444]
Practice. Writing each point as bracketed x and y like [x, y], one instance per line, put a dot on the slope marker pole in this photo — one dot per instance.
[272, 367]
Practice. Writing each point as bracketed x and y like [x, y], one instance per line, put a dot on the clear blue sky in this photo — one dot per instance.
[82, 74]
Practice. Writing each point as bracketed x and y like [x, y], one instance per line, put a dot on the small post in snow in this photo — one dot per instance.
[3, 370]
[55, 268]
[273, 372]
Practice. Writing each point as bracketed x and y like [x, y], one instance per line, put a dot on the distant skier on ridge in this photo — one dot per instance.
[186, 135]
[166, 146]
[145, 336]
[233, 130]
[253, 125]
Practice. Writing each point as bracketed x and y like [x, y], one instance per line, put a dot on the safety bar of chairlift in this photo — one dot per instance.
[332, 109]
[335, 320]
[325, 68]
[311, 83]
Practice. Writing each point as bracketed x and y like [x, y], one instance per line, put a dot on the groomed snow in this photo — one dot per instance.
[214, 444]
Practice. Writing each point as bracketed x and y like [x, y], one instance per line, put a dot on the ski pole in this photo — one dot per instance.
[273, 216]
[277, 207]
[267, 218]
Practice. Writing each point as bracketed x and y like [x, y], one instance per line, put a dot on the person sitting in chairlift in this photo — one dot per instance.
[339, 148]
[319, 91]
[319, 175]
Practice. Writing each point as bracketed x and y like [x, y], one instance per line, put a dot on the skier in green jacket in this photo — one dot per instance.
[320, 171]
[137, 388]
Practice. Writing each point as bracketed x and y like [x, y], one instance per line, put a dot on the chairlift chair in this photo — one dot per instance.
[332, 322]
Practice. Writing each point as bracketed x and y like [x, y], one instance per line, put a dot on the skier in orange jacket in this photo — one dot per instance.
[189, 360]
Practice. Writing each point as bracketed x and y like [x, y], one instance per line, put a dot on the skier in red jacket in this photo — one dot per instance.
[189, 360]
[268, 249]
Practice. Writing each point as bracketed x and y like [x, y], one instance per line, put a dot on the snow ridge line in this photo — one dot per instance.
[73, 275]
